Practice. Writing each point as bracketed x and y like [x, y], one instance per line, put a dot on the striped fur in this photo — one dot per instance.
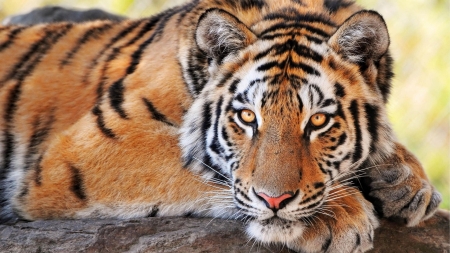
[143, 118]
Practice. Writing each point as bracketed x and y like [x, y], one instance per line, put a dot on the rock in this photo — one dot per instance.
[430, 236]
[51, 14]
[189, 235]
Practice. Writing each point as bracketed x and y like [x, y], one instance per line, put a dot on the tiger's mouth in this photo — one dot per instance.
[275, 221]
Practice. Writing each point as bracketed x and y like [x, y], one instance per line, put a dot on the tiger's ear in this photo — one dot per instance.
[363, 36]
[220, 34]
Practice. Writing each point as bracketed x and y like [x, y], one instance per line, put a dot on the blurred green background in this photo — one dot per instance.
[419, 107]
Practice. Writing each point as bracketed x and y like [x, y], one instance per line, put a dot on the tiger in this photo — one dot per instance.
[272, 112]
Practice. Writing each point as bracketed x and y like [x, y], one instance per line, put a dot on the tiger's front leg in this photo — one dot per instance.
[399, 188]
[346, 223]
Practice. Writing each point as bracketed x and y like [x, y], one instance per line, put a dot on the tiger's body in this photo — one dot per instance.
[261, 110]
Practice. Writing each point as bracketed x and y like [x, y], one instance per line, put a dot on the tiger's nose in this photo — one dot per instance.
[275, 203]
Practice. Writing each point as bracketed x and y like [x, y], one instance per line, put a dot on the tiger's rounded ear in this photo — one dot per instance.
[220, 34]
[363, 36]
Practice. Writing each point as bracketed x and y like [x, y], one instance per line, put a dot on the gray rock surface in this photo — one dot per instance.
[51, 14]
[199, 235]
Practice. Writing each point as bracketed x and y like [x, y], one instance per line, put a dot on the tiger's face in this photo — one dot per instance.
[286, 119]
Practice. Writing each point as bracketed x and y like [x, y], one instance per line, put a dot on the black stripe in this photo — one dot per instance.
[215, 143]
[298, 2]
[334, 5]
[256, 81]
[339, 90]
[209, 166]
[92, 33]
[206, 124]
[313, 205]
[40, 133]
[116, 98]
[264, 53]
[249, 4]
[9, 142]
[292, 15]
[225, 136]
[238, 191]
[207, 116]
[324, 171]
[328, 102]
[339, 111]
[225, 78]
[240, 202]
[241, 98]
[290, 34]
[23, 192]
[318, 185]
[155, 114]
[311, 98]
[300, 103]
[154, 212]
[297, 81]
[187, 9]
[354, 110]
[25, 66]
[290, 25]
[101, 122]
[137, 55]
[372, 123]
[319, 92]
[313, 39]
[196, 71]
[218, 177]
[279, 48]
[233, 87]
[116, 51]
[306, 52]
[119, 36]
[358, 241]
[266, 66]
[319, 193]
[38, 171]
[77, 183]
[308, 69]
[11, 37]
[148, 26]
[328, 240]
[342, 139]
[188, 214]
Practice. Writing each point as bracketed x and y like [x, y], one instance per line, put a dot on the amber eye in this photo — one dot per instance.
[247, 116]
[318, 119]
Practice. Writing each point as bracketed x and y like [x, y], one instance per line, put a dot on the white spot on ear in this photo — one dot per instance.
[352, 40]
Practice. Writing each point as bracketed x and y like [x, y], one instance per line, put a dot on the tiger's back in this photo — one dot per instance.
[161, 116]
[62, 76]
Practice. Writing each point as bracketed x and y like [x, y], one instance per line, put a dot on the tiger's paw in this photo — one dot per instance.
[346, 224]
[399, 189]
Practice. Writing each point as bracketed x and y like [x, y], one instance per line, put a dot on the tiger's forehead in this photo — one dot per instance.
[286, 73]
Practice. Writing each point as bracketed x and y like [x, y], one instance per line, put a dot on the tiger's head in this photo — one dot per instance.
[290, 107]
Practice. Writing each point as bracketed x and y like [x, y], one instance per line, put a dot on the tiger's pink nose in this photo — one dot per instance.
[275, 203]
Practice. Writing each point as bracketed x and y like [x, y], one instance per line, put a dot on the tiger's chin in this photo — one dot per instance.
[275, 230]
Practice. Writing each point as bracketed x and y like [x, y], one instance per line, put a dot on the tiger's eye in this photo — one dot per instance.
[318, 119]
[247, 116]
